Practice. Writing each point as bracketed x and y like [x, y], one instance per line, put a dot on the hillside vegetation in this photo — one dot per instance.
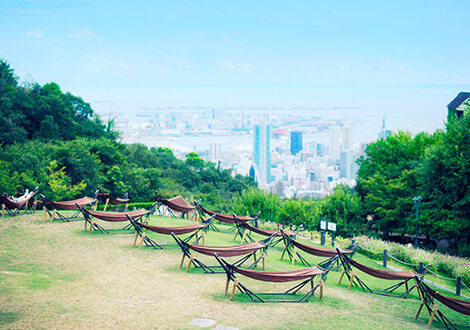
[54, 140]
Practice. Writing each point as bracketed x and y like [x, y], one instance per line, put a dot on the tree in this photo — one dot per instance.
[388, 179]
[445, 178]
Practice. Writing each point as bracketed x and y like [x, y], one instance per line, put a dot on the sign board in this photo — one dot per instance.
[323, 224]
[332, 226]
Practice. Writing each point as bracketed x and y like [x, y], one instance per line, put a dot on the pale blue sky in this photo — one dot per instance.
[396, 57]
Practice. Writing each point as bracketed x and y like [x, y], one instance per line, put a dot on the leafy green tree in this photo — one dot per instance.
[254, 200]
[344, 208]
[193, 160]
[61, 185]
[445, 178]
[388, 179]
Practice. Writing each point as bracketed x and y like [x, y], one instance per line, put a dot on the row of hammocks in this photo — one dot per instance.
[307, 275]
[291, 245]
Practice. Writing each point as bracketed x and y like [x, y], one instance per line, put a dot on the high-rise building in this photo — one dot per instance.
[215, 152]
[384, 133]
[262, 152]
[348, 166]
[347, 137]
[295, 142]
[335, 139]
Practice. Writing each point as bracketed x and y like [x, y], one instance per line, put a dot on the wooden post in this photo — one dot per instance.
[135, 239]
[322, 284]
[35, 204]
[419, 309]
[125, 209]
[341, 277]
[235, 284]
[45, 212]
[236, 233]
[91, 225]
[95, 205]
[244, 235]
[263, 255]
[182, 260]
[190, 262]
[53, 215]
[352, 279]
[141, 240]
[434, 310]
[283, 251]
[106, 204]
[294, 254]
[3, 210]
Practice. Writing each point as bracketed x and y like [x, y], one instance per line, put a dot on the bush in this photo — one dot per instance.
[450, 265]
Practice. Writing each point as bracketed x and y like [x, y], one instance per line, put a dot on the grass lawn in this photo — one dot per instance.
[56, 275]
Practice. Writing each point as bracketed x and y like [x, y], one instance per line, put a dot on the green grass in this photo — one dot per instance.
[56, 275]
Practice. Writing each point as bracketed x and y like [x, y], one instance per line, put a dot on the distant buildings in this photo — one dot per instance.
[384, 133]
[335, 141]
[457, 107]
[262, 152]
[348, 166]
[215, 152]
[295, 142]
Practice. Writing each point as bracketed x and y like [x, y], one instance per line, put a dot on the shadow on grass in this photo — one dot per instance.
[8, 318]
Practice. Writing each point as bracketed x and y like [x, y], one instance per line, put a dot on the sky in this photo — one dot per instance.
[396, 58]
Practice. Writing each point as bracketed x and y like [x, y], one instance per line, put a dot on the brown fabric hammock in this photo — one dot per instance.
[280, 276]
[318, 251]
[228, 251]
[70, 205]
[11, 204]
[458, 305]
[384, 274]
[176, 230]
[117, 216]
[113, 200]
[225, 217]
[177, 204]
[266, 232]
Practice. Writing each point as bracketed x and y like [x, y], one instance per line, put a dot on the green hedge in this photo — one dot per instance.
[450, 265]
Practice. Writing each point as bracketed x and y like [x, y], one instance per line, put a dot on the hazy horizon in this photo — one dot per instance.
[387, 58]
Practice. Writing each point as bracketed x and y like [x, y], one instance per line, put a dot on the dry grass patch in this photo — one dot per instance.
[56, 275]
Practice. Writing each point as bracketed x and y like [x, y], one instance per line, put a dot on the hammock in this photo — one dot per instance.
[52, 208]
[111, 217]
[175, 204]
[12, 205]
[223, 217]
[403, 276]
[280, 276]
[109, 199]
[140, 227]
[246, 250]
[244, 227]
[117, 216]
[316, 251]
[305, 275]
[428, 299]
